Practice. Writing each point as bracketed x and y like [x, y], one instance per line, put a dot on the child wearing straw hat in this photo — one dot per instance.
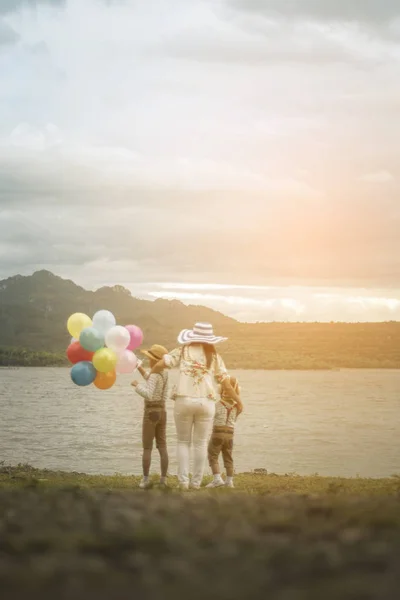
[155, 393]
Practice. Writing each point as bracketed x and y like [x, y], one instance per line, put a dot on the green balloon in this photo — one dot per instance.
[91, 339]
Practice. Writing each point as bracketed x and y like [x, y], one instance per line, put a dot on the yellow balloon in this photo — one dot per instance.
[76, 323]
[104, 360]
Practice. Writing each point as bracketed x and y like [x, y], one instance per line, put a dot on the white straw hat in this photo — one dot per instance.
[202, 333]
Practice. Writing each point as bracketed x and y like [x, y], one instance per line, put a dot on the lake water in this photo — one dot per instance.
[328, 422]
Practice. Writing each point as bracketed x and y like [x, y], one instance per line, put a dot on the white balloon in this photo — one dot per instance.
[118, 338]
[103, 321]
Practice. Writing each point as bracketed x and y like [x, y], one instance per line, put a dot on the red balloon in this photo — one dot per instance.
[76, 353]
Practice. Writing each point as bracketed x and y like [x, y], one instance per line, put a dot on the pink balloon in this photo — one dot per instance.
[126, 363]
[136, 337]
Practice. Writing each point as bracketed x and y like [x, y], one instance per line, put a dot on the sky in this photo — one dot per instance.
[242, 154]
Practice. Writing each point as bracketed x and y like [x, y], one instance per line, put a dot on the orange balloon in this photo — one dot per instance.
[105, 381]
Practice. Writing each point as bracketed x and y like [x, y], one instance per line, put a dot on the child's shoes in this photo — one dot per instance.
[216, 482]
[145, 484]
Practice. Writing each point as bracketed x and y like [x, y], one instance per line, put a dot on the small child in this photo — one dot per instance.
[226, 413]
[155, 393]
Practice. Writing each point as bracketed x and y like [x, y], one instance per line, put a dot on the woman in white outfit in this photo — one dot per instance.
[200, 366]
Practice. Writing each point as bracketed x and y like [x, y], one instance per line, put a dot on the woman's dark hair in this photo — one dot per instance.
[210, 352]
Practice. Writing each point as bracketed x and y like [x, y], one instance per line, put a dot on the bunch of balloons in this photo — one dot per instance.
[100, 349]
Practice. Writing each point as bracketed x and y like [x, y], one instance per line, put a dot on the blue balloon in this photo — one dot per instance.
[83, 373]
[91, 339]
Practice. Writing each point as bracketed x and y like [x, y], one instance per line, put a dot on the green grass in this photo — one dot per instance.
[72, 535]
[250, 483]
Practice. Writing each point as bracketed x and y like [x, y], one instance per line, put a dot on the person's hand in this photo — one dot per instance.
[134, 383]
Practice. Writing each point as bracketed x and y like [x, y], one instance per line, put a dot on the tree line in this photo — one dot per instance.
[21, 357]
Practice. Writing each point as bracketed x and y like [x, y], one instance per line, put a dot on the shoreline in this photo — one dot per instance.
[260, 481]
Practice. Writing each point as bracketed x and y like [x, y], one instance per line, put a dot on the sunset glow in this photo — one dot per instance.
[269, 303]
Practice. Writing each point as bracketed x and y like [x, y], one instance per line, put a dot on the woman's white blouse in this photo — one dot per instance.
[195, 380]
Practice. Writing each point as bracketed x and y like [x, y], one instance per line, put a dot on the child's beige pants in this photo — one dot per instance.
[221, 441]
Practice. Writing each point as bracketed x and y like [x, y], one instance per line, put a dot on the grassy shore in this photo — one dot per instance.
[258, 482]
[278, 537]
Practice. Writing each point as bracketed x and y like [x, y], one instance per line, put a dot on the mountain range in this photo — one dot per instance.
[34, 311]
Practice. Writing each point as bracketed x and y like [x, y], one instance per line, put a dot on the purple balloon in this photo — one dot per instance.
[136, 337]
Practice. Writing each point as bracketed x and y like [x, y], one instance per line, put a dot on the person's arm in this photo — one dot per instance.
[169, 361]
[239, 406]
[147, 390]
[220, 372]
[238, 412]
[222, 377]
[145, 373]
[232, 394]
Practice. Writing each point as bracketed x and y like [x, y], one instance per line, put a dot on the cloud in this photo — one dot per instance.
[7, 35]
[362, 11]
[309, 46]
[292, 33]
[211, 235]
[9, 6]
[378, 177]
[37, 161]
[189, 141]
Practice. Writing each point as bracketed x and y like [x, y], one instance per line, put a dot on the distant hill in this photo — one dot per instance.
[34, 311]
